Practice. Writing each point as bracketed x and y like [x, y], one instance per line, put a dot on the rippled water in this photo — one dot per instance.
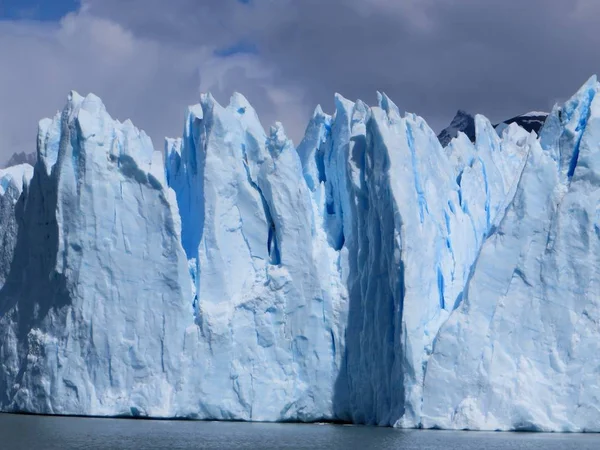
[38, 432]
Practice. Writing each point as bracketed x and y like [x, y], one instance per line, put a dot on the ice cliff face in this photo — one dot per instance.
[268, 339]
[396, 199]
[372, 275]
[13, 181]
[519, 352]
[97, 290]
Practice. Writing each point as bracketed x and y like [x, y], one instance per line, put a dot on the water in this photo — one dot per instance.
[65, 433]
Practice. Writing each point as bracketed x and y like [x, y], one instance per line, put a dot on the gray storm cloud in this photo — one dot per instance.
[148, 59]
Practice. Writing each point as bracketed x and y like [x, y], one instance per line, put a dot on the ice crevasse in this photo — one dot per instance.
[369, 275]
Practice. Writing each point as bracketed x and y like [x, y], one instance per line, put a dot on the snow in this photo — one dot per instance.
[535, 114]
[14, 179]
[531, 121]
[372, 275]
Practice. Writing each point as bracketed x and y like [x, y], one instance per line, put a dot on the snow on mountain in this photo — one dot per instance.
[371, 275]
[531, 121]
[463, 122]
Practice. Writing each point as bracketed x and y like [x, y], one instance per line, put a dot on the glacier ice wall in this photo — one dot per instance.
[370, 275]
[13, 181]
[266, 306]
[98, 288]
[520, 351]
[384, 200]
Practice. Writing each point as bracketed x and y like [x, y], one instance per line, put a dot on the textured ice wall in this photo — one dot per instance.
[408, 218]
[520, 351]
[370, 276]
[98, 290]
[13, 182]
[267, 308]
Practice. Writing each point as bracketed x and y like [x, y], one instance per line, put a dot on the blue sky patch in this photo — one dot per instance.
[239, 48]
[44, 10]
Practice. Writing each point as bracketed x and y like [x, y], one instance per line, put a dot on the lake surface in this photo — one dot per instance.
[65, 433]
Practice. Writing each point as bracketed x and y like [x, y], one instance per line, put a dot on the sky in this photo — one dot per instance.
[149, 59]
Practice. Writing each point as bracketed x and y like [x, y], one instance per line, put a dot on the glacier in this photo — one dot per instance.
[523, 340]
[88, 306]
[369, 275]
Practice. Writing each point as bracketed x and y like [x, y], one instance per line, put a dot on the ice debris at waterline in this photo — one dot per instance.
[370, 275]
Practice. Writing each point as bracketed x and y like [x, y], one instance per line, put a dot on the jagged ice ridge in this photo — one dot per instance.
[371, 275]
